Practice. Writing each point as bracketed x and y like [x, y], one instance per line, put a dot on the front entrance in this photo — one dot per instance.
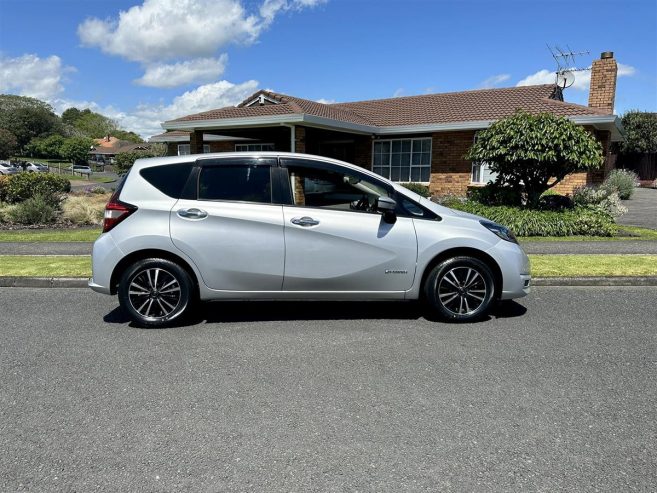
[344, 150]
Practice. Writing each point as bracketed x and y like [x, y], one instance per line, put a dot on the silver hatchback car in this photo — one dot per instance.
[293, 226]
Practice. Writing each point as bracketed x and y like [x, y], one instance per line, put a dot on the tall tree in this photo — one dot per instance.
[533, 152]
[8, 143]
[640, 132]
[26, 118]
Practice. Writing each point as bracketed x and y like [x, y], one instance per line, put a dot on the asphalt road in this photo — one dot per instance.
[556, 392]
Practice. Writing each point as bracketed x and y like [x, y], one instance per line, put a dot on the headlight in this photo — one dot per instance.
[501, 231]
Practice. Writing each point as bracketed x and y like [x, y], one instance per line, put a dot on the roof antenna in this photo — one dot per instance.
[566, 65]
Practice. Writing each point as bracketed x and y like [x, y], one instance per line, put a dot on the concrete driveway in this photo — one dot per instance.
[642, 209]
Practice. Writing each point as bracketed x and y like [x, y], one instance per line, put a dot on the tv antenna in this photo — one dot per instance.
[566, 65]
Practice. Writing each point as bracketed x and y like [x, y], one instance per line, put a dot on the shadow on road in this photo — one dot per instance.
[268, 311]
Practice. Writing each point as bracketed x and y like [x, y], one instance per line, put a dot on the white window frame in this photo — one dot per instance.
[245, 147]
[481, 171]
[411, 165]
[206, 149]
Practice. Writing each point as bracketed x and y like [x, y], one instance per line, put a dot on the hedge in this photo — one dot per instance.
[586, 221]
[22, 186]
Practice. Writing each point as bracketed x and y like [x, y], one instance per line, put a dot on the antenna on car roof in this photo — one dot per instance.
[566, 65]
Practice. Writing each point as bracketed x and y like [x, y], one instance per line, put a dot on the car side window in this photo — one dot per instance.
[333, 189]
[235, 182]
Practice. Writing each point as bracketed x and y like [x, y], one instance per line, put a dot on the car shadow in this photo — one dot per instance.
[274, 311]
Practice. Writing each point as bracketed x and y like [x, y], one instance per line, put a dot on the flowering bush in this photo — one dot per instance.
[622, 181]
[603, 198]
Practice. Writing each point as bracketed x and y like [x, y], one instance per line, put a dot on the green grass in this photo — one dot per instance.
[542, 265]
[593, 265]
[47, 235]
[636, 233]
[50, 266]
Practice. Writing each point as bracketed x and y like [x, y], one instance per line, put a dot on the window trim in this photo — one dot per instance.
[206, 149]
[255, 143]
[474, 164]
[429, 138]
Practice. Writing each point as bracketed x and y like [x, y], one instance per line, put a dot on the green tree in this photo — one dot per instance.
[124, 160]
[126, 135]
[8, 144]
[76, 149]
[640, 132]
[533, 152]
[26, 118]
[46, 147]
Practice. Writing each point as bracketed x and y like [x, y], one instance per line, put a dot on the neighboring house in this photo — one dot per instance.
[416, 138]
[106, 148]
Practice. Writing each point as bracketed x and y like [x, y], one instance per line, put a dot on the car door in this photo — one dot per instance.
[229, 226]
[334, 240]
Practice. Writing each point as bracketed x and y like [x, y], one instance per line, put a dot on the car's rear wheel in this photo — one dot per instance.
[460, 289]
[155, 292]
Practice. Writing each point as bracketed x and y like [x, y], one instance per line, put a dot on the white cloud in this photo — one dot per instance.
[494, 80]
[326, 101]
[541, 77]
[270, 8]
[582, 78]
[29, 75]
[399, 92]
[171, 29]
[177, 74]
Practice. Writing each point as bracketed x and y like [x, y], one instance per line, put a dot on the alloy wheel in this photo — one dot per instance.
[154, 293]
[461, 290]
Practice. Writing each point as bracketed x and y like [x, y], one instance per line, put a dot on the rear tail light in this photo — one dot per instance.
[115, 212]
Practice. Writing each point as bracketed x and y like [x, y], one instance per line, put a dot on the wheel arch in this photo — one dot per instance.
[465, 252]
[133, 257]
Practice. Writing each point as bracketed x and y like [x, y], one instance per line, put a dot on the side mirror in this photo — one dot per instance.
[387, 207]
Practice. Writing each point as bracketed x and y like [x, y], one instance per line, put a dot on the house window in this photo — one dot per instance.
[254, 147]
[185, 149]
[482, 174]
[403, 160]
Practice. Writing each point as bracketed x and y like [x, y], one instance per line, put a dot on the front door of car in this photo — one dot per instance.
[230, 228]
[334, 239]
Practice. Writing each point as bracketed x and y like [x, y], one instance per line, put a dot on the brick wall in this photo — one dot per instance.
[450, 171]
[602, 90]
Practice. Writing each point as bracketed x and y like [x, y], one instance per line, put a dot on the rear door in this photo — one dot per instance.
[334, 239]
[229, 226]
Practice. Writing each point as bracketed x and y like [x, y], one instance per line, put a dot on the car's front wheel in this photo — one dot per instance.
[154, 292]
[460, 289]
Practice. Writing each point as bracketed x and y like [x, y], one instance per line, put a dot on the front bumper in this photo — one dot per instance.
[516, 272]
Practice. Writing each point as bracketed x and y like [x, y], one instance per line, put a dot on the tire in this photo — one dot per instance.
[155, 292]
[460, 289]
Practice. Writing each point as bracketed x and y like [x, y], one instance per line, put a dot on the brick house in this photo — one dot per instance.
[415, 138]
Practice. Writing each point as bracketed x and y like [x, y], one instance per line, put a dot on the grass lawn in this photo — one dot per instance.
[542, 265]
[593, 265]
[636, 232]
[42, 266]
[47, 235]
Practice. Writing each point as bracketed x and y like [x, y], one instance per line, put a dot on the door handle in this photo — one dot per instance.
[304, 221]
[192, 213]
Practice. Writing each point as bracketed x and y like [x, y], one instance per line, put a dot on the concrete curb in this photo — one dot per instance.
[43, 282]
[81, 282]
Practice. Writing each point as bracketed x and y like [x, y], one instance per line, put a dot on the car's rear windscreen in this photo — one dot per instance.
[168, 178]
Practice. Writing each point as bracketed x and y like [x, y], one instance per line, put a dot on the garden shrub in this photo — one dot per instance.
[555, 202]
[602, 198]
[85, 209]
[418, 188]
[38, 209]
[622, 181]
[4, 181]
[495, 194]
[23, 186]
[530, 222]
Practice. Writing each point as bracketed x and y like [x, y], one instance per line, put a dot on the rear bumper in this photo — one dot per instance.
[104, 258]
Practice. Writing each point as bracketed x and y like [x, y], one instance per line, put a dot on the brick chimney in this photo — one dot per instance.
[603, 82]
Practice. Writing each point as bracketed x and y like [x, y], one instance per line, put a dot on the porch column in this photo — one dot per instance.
[299, 139]
[196, 142]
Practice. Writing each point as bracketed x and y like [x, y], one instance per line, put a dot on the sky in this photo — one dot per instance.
[142, 62]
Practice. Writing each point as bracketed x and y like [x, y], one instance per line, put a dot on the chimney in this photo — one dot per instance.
[603, 82]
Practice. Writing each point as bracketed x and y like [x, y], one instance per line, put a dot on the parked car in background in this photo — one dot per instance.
[36, 168]
[7, 169]
[293, 226]
[81, 168]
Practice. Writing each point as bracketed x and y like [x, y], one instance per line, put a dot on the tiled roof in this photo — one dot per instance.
[477, 105]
